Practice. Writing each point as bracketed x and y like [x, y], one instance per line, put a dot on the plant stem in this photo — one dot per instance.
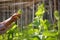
[58, 29]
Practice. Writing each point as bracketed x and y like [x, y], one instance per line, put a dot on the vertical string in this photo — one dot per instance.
[58, 38]
[14, 12]
[26, 17]
[8, 11]
[20, 7]
[55, 7]
[3, 11]
[33, 10]
[54, 4]
[30, 13]
[50, 11]
[14, 6]
[33, 13]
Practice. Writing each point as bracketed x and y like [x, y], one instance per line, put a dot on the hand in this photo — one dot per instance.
[16, 16]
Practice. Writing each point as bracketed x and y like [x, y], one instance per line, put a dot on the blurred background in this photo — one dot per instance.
[29, 7]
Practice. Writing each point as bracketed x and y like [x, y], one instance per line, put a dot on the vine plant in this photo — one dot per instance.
[39, 29]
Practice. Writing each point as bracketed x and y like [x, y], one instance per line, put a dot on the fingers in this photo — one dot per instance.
[16, 16]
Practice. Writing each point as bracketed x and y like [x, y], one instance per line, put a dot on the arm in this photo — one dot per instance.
[5, 25]
[13, 18]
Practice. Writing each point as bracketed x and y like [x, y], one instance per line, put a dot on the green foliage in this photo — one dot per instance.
[35, 38]
[56, 14]
[40, 11]
[14, 26]
[19, 11]
[51, 38]
[49, 33]
[39, 29]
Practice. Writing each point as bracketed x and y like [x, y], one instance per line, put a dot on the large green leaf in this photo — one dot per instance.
[49, 33]
[30, 31]
[56, 14]
[19, 11]
[40, 11]
[51, 38]
[36, 38]
[14, 26]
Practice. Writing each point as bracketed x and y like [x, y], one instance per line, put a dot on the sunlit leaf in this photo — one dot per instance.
[17, 34]
[46, 24]
[10, 36]
[36, 31]
[49, 33]
[21, 33]
[51, 38]
[30, 31]
[36, 24]
[19, 11]
[56, 14]
[14, 27]
[40, 10]
[35, 38]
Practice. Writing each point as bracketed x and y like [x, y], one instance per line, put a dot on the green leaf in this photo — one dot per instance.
[19, 11]
[40, 11]
[46, 24]
[13, 28]
[17, 34]
[35, 38]
[51, 38]
[36, 23]
[49, 33]
[36, 31]
[56, 14]
[20, 33]
[30, 31]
